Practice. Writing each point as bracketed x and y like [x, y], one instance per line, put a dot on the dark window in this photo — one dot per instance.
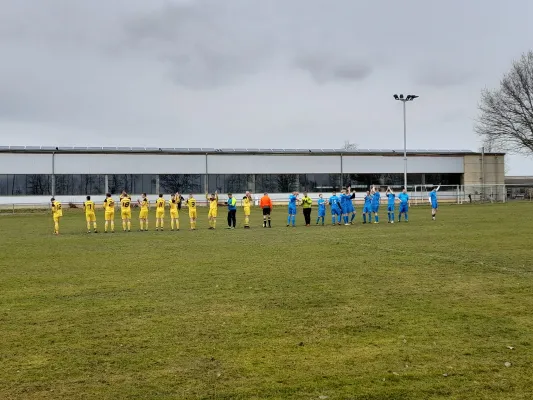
[185, 183]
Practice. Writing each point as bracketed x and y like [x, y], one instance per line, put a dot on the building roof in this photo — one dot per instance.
[201, 150]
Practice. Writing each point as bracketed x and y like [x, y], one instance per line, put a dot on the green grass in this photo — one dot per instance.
[361, 312]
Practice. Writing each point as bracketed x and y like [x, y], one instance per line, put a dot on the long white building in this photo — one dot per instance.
[78, 171]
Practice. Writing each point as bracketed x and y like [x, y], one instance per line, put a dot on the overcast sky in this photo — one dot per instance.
[243, 73]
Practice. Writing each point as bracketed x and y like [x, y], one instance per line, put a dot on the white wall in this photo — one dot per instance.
[129, 164]
[273, 164]
[221, 164]
[415, 165]
[25, 163]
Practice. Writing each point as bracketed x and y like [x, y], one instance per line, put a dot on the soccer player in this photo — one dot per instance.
[293, 201]
[143, 214]
[57, 213]
[123, 194]
[174, 214]
[109, 213]
[345, 201]
[367, 207]
[191, 204]
[376, 200]
[213, 209]
[307, 202]
[232, 211]
[335, 209]
[90, 215]
[404, 205]
[179, 198]
[433, 201]
[351, 208]
[391, 198]
[321, 209]
[125, 212]
[160, 212]
[247, 205]
[266, 205]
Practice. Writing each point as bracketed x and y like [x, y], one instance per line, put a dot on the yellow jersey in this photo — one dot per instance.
[125, 204]
[173, 206]
[56, 209]
[191, 203]
[246, 202]
[160, 204]
[89, 207]
[144, 204]
[109, 205]
[213, 204]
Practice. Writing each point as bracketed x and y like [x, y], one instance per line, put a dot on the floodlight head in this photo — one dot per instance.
[414, 96]
[408, 97]
[396, 97]
[401, 96]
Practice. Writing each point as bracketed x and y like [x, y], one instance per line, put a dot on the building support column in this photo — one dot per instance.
[106, 184]
[157, 184]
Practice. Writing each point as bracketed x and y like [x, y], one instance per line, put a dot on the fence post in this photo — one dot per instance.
[13, 208]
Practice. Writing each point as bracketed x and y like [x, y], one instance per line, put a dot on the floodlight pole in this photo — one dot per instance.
[404, 146]
[404, 100]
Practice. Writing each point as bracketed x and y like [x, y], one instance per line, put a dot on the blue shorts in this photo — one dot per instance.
[434, 205]
[390, 208]
[292, 210]
[375, 208]
[350, 209]
[335, 211]
[404, 208]
[344, 210]
[321, 212]
[367, 209]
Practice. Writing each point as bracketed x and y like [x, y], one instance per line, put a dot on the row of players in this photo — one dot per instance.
[341, 207]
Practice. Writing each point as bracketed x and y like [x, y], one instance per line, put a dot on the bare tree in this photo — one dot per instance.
[506, 114]
[349, 146]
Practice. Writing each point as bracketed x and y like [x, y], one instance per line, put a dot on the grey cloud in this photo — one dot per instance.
[325, 69]
[443, 75]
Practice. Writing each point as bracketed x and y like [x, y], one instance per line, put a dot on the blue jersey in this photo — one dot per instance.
[368, 200]
[391, 198]
[334, 202]
[345, 200]
[433, 196]
[404, 198]
[321, 205]
[292, 201]
[376, 199]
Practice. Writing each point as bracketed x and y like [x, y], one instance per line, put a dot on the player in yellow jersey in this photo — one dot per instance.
[90, 215]
[57, 213]
[123, 194]
[109, 207]
[143, 214]
[160, 212]
[213, 209]
[247, 204]
[125, 212]
[191, 203]
[174, 214]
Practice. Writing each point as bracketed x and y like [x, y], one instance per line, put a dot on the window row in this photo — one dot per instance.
[195, 183]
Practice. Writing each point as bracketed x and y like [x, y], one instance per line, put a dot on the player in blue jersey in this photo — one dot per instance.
[376, 200]
[434, 202]
[367, 207]
[293, 201]
[391, 198]
[351, 207]
[334, 204]
[344, 200]
[321, 209]
[404, 205]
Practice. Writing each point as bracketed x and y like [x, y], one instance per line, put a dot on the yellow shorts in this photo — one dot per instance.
[192, 213]
[143, 214]
[159, 214]
[174, 215]
[57, 218]
[90, 217]
[247, 212]
[109, 215]
[212, 213]
[126, 214]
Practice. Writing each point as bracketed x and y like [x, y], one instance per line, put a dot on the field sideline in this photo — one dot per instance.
[424, 310]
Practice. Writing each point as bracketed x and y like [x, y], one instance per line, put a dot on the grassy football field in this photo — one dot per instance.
[424, 310]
